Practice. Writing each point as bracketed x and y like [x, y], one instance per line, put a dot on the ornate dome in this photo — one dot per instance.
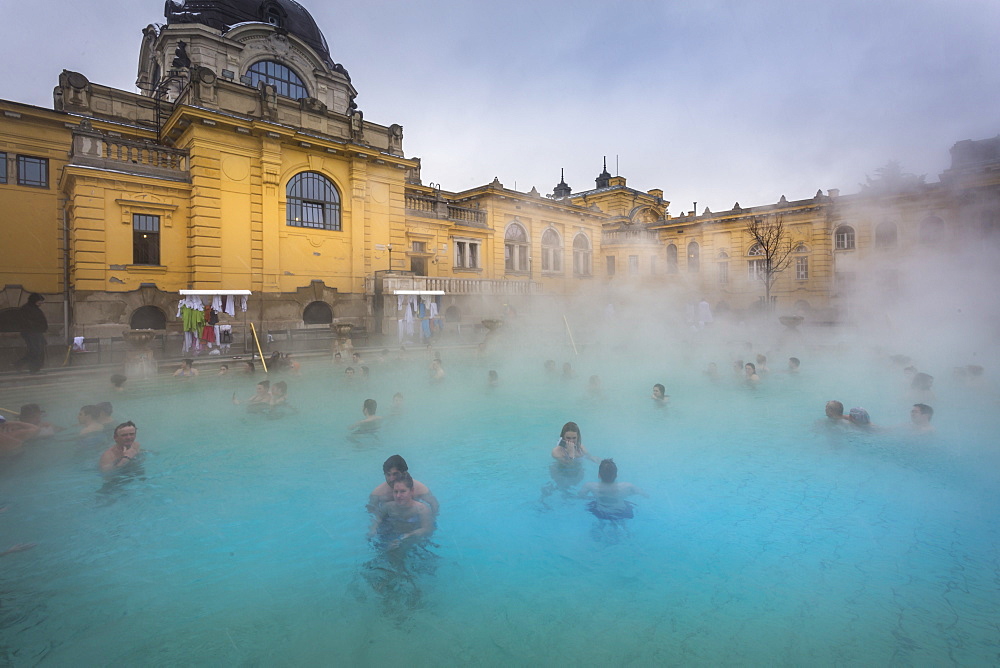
[222, 15]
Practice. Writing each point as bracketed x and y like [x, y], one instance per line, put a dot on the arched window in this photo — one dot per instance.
[515, 248]
[671, 259]
[723, 255]
[313, 201]
[843, 238]
[148, 317]
[885, 235]
[756, 249]
[800, 248]
[694, 257]
[285, 81]
[551, 251]
[581, 255]
[317, 313]
[757, 267]
[931, 230]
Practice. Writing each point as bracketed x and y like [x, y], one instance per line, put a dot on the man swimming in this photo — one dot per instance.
[394, 468]
[609, 495]
[920, 416]
[125, 450]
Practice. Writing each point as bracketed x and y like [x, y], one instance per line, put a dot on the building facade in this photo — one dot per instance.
[243, 162]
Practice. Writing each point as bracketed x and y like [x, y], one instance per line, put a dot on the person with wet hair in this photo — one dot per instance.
[393, 469]
[403, 520]
[920, 388]
[570, 446]
[13, 434]
[835, 410]
[750, 372]
[125, 451]
[660, 396]
[609, 495]
[793, 364]
[107, 411]
[118, 382]
[186, 369]
[762, 365]
[920, 417]
[89, 418]
[260, 401]
[368, 426]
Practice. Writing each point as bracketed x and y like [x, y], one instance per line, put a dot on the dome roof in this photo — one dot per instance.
[224, 14]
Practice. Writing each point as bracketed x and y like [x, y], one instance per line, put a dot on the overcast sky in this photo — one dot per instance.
[714, 101]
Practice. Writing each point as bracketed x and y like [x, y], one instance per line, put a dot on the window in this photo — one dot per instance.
[145, 239]
[801, 268]
[317, 313]
[466, 254]
[611, 265]
[755, 250]
[419, 247]
[32, 171]
[885, 235]
[285, 81]
[515, 249]
[581, 255]
[694, 254]
[551, 251]
[313, 201]
[671, 259]
[3, 168]
[273, 16]
[843, 238]
[633, 265]
[931, 230]
[148, 317]
[757, 269]
[723, 273]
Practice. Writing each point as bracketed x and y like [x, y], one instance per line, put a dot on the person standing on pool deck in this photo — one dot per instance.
[393, 468]
[609, 495]
[125, 450]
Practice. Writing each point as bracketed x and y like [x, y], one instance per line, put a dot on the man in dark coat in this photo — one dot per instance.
[33, 328]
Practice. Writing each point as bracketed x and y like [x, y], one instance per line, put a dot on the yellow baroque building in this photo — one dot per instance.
[243, 163]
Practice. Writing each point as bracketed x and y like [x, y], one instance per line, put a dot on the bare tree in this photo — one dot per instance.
[772, 250]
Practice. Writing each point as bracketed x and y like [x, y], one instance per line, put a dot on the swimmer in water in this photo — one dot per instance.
[404, 520]
[751, 373]
[186, 369]
[570, 447]
[609, 495]
[369, 426]
[260, 401]
[125, 451]
[660, 397]
[920, 417]
[567, 469]
[393, 469]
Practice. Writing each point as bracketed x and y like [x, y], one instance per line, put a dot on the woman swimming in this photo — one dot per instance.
[404, 520]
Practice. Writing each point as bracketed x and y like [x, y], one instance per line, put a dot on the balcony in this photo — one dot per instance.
[100, 151]
[453, 286]
[629, 237]
[431, 207]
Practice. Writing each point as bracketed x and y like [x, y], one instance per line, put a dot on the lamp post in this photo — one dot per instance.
[388, 247]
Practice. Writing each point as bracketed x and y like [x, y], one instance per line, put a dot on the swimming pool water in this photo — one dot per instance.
[767, 539]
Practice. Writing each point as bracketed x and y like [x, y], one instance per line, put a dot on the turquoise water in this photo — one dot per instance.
[767, 539]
